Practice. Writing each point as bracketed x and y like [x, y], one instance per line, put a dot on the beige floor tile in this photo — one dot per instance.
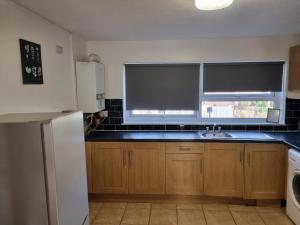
[104, 224]
[247, 218]
[242, 208]
[217, 217]
[163, 217]
[138, 205]
[92, 214]
[215, 207]
[261, 209]
[136, 216]
[95, 205]
[274, 218]
[94, 208]
[163, 206]
[190, 217]
[109, 216]
[114, 205]
[188, 213]
[189, 206]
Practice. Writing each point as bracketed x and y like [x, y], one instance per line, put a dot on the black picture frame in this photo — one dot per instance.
[31, 62]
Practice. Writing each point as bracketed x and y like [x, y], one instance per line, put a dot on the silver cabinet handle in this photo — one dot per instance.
[241, 157]
[184, 149]
[248, 158]
[129, 158]
[124, 158]
[201, 166]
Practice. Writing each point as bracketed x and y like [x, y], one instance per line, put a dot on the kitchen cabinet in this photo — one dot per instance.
[223, 169]
[88, 157]
[146, 168]
[109, 167]
[265, 168]
[250, 171]
[184, 168]
[294, 73]
[184, 174]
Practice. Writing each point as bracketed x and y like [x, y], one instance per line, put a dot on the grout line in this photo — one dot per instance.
[204, 215]
[150, 213]
[97, 212]
[123, 214]
[232, 216]
[177, 214]
[262, 219]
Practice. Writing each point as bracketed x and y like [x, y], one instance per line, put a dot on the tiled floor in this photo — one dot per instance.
[184, 214]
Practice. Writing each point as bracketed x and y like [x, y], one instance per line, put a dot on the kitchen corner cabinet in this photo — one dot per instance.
[264, 171]
[223, 169]
[294, 73]
[146, 168]
[88, 157]
[109, 167]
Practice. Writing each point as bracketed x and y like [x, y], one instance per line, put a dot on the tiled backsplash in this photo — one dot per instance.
[115, 120]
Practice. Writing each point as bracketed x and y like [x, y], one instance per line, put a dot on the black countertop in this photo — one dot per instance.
[174, 136]
[290, 138]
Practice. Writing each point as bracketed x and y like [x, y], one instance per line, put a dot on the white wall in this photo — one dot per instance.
[79, 48]
[115, 54]
[57, 92]
[79, 53]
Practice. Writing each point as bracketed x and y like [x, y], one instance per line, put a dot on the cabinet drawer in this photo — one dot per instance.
[184, 147]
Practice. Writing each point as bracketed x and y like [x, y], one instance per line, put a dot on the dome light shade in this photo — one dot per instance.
[212, 4]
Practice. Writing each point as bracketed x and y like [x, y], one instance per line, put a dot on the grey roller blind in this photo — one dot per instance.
[243, 77]
[162, 86]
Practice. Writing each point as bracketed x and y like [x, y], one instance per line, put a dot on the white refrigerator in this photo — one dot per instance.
[43, 169]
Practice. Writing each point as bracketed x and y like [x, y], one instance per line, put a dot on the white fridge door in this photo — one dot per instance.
[66, 170]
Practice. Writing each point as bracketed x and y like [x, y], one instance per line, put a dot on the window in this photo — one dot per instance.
[162, 93]
[236, 109]
[224, 93]
[241, 92]
[224, 111]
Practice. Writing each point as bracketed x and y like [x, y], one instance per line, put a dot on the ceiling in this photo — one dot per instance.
[168, 19]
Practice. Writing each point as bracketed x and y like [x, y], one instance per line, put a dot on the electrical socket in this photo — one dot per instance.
[103, 114]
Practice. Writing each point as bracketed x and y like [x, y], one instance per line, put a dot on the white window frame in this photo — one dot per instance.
[278, 98]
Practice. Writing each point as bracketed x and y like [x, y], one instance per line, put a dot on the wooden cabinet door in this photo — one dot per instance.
[223, 169]
[110, 169]
[184, 174]
[294, 69]
[88, 157]
[146, 168]
[264, 171]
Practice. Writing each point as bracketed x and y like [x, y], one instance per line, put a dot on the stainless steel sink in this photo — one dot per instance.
[216, 135]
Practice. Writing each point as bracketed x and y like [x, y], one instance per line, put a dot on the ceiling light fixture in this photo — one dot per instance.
[212, 4]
